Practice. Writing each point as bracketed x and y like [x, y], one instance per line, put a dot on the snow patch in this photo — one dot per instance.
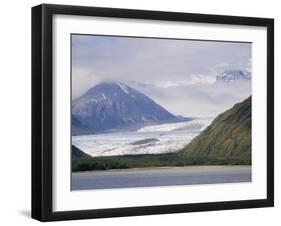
[94, 100]
[123, 87]
[103, 96]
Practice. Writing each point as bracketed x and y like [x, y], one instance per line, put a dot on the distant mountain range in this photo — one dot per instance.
[111, 106]
[228, 137]
[234, 75]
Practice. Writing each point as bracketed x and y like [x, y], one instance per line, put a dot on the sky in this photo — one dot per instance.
[165, 69]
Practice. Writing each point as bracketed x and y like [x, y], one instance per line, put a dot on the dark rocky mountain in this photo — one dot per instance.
[228, 136]
[234, 75]
[112, 106]
[78, 128]
[77, 153]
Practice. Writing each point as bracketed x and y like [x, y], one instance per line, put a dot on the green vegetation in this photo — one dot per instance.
[227, 141]
[228, 137]
[141, 161]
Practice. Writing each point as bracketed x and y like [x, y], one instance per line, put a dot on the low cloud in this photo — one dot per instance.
[172, 72]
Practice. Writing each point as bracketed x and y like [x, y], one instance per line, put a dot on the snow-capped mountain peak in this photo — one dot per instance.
[234, 75]
[116, 106]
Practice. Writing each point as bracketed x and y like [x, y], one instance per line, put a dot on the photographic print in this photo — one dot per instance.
[139, 112]
[159, 112]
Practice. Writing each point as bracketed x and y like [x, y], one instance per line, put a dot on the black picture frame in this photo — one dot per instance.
[42, 107]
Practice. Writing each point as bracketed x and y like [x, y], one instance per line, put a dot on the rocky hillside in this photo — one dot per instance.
[78, 128]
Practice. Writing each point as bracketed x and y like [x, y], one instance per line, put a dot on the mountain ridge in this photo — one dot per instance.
[228, 136]
[234, 75]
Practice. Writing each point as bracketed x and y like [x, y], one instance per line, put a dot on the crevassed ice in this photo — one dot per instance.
[197, 124]
[166, 138]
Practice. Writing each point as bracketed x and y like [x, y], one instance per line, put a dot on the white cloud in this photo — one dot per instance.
[194, 79]
[179, 75]
[82, 80]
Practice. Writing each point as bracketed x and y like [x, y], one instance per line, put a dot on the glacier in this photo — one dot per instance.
[192, 125]
[158, 139]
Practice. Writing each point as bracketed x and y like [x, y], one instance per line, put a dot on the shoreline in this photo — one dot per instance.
[161, 168]
[149, 161]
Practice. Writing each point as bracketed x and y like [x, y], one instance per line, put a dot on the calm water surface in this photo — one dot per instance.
[189, 175]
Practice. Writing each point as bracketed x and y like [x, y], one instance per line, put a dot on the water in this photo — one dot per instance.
[189, 175]
[159, 139]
